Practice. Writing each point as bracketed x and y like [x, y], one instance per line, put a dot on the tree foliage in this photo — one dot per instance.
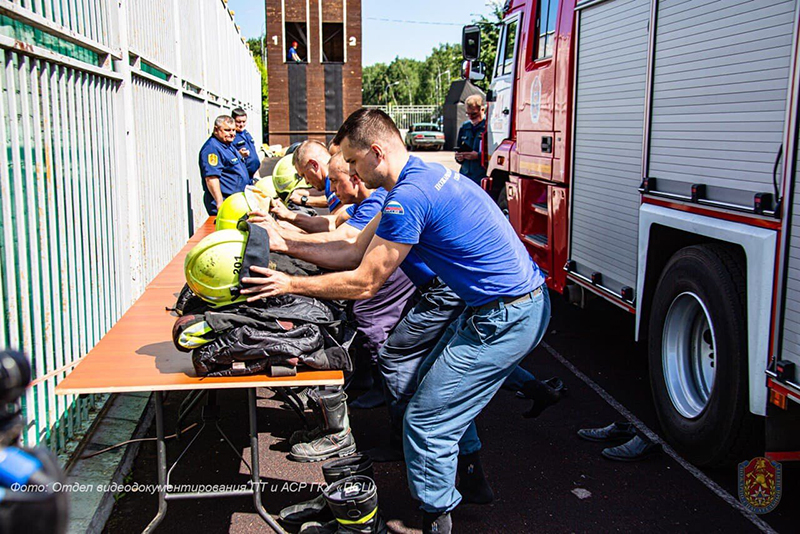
[410, 81]
[255, 48]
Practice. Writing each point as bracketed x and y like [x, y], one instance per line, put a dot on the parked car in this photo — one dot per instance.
[424, 135]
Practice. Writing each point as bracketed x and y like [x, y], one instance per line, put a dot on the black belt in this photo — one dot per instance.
[508, 301]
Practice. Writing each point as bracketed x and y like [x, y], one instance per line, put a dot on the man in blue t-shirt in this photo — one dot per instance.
[243, 142]
[221, 166]
[455, 228]
[310, 160]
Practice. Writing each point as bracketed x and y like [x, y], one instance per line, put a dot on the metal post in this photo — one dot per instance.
[255, 477]
[129, 195]
[161, 451]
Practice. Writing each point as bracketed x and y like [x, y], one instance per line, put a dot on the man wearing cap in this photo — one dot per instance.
[456, 229]
[291, 54]
[243, 142]
[221, 166]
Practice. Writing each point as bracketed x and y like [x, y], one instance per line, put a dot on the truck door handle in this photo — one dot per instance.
[547, 144]
[506, 111]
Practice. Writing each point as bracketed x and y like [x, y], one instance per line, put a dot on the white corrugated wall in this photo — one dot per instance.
[104, 108]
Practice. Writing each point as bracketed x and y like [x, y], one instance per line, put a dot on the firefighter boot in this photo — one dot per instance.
[354, 504]
[437, 523]
[336, 440]
[311, 400]
[472, 483]
[333, 471]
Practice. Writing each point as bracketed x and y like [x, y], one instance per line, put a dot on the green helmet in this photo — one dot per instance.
[212, 267]
[231, 210]
[285, 177]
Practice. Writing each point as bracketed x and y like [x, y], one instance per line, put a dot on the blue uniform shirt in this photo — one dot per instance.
[245, 140]
[360, 216]
[330, 196]
[470, 134]
[459, 232]
[220, 159]
[363, 212]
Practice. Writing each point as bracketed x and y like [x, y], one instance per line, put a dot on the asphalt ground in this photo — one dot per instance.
[544, 477]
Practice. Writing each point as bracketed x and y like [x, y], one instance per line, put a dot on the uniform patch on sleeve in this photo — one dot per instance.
[213, 159]
[393, 208]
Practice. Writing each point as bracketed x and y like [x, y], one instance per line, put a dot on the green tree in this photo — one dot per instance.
[405, 81]
[258, 56]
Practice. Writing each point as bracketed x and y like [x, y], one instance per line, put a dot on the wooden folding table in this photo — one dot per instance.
[137, 354]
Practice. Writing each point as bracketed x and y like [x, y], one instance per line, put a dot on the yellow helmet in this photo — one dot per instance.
[285, 177]
[212, 267]
[231, 210]
[266, 186]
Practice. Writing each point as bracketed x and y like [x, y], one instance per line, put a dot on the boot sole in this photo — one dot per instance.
[347, 451]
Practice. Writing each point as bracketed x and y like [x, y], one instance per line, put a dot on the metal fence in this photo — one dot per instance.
[104, 107]
[405, 116]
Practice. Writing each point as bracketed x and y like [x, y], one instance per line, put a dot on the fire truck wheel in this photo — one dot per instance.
[698, 355]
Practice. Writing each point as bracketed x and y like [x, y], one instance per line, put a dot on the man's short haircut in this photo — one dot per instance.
[301, 152]
[474, 101]
[365, 126]
[238, 112]
[338, 164]
[223, 119]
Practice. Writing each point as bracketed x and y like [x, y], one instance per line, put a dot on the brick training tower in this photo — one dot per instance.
[311, 99]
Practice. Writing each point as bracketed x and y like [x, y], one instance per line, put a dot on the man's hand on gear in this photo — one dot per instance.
[276, 241]
[281, 211]
[297, 195]
[272, 284]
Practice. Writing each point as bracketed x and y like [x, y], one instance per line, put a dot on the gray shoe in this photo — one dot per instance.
[634, 449]
[612, 432]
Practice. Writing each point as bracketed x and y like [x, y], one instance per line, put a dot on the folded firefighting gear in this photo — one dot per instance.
[287, 330]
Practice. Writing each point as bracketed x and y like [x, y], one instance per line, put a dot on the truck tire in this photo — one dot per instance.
[698, 355]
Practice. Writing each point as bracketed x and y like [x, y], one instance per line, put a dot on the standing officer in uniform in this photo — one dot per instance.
[221, 166]
[243, 142]
[469, 140]
[456, 229]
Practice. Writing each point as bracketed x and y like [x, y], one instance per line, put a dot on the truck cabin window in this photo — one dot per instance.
[546, 16]
[508, 48]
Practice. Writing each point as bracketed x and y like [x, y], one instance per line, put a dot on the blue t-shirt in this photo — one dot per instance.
[245, 140]
[459, 232]
[330, 196]
[416, 270]
[363, 212]
[223, 160]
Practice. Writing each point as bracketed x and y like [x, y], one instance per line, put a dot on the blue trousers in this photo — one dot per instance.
[457, 379]
[414, 337]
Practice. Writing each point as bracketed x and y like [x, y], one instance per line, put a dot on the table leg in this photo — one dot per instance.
[161, 450]
[254, 471]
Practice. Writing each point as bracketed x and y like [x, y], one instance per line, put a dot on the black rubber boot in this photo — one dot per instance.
[315, 509]
[336, 438]
[354, 504]
[472, 483]
[542, 394]
[437, 523]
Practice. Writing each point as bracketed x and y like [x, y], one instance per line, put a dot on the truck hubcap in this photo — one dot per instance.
[689, 355]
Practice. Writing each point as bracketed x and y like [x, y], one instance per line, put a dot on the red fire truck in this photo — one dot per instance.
[647, 151]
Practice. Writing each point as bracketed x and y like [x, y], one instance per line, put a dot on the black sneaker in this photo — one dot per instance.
[612, 432]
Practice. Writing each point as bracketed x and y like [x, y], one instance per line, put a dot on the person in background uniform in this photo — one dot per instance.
[221, 166]
[463, 237]
[311, 160]
[469, 137]
[243, 142]
[291, 54]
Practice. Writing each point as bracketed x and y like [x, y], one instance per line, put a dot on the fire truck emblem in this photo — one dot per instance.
[760, 485]
[536, 99]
